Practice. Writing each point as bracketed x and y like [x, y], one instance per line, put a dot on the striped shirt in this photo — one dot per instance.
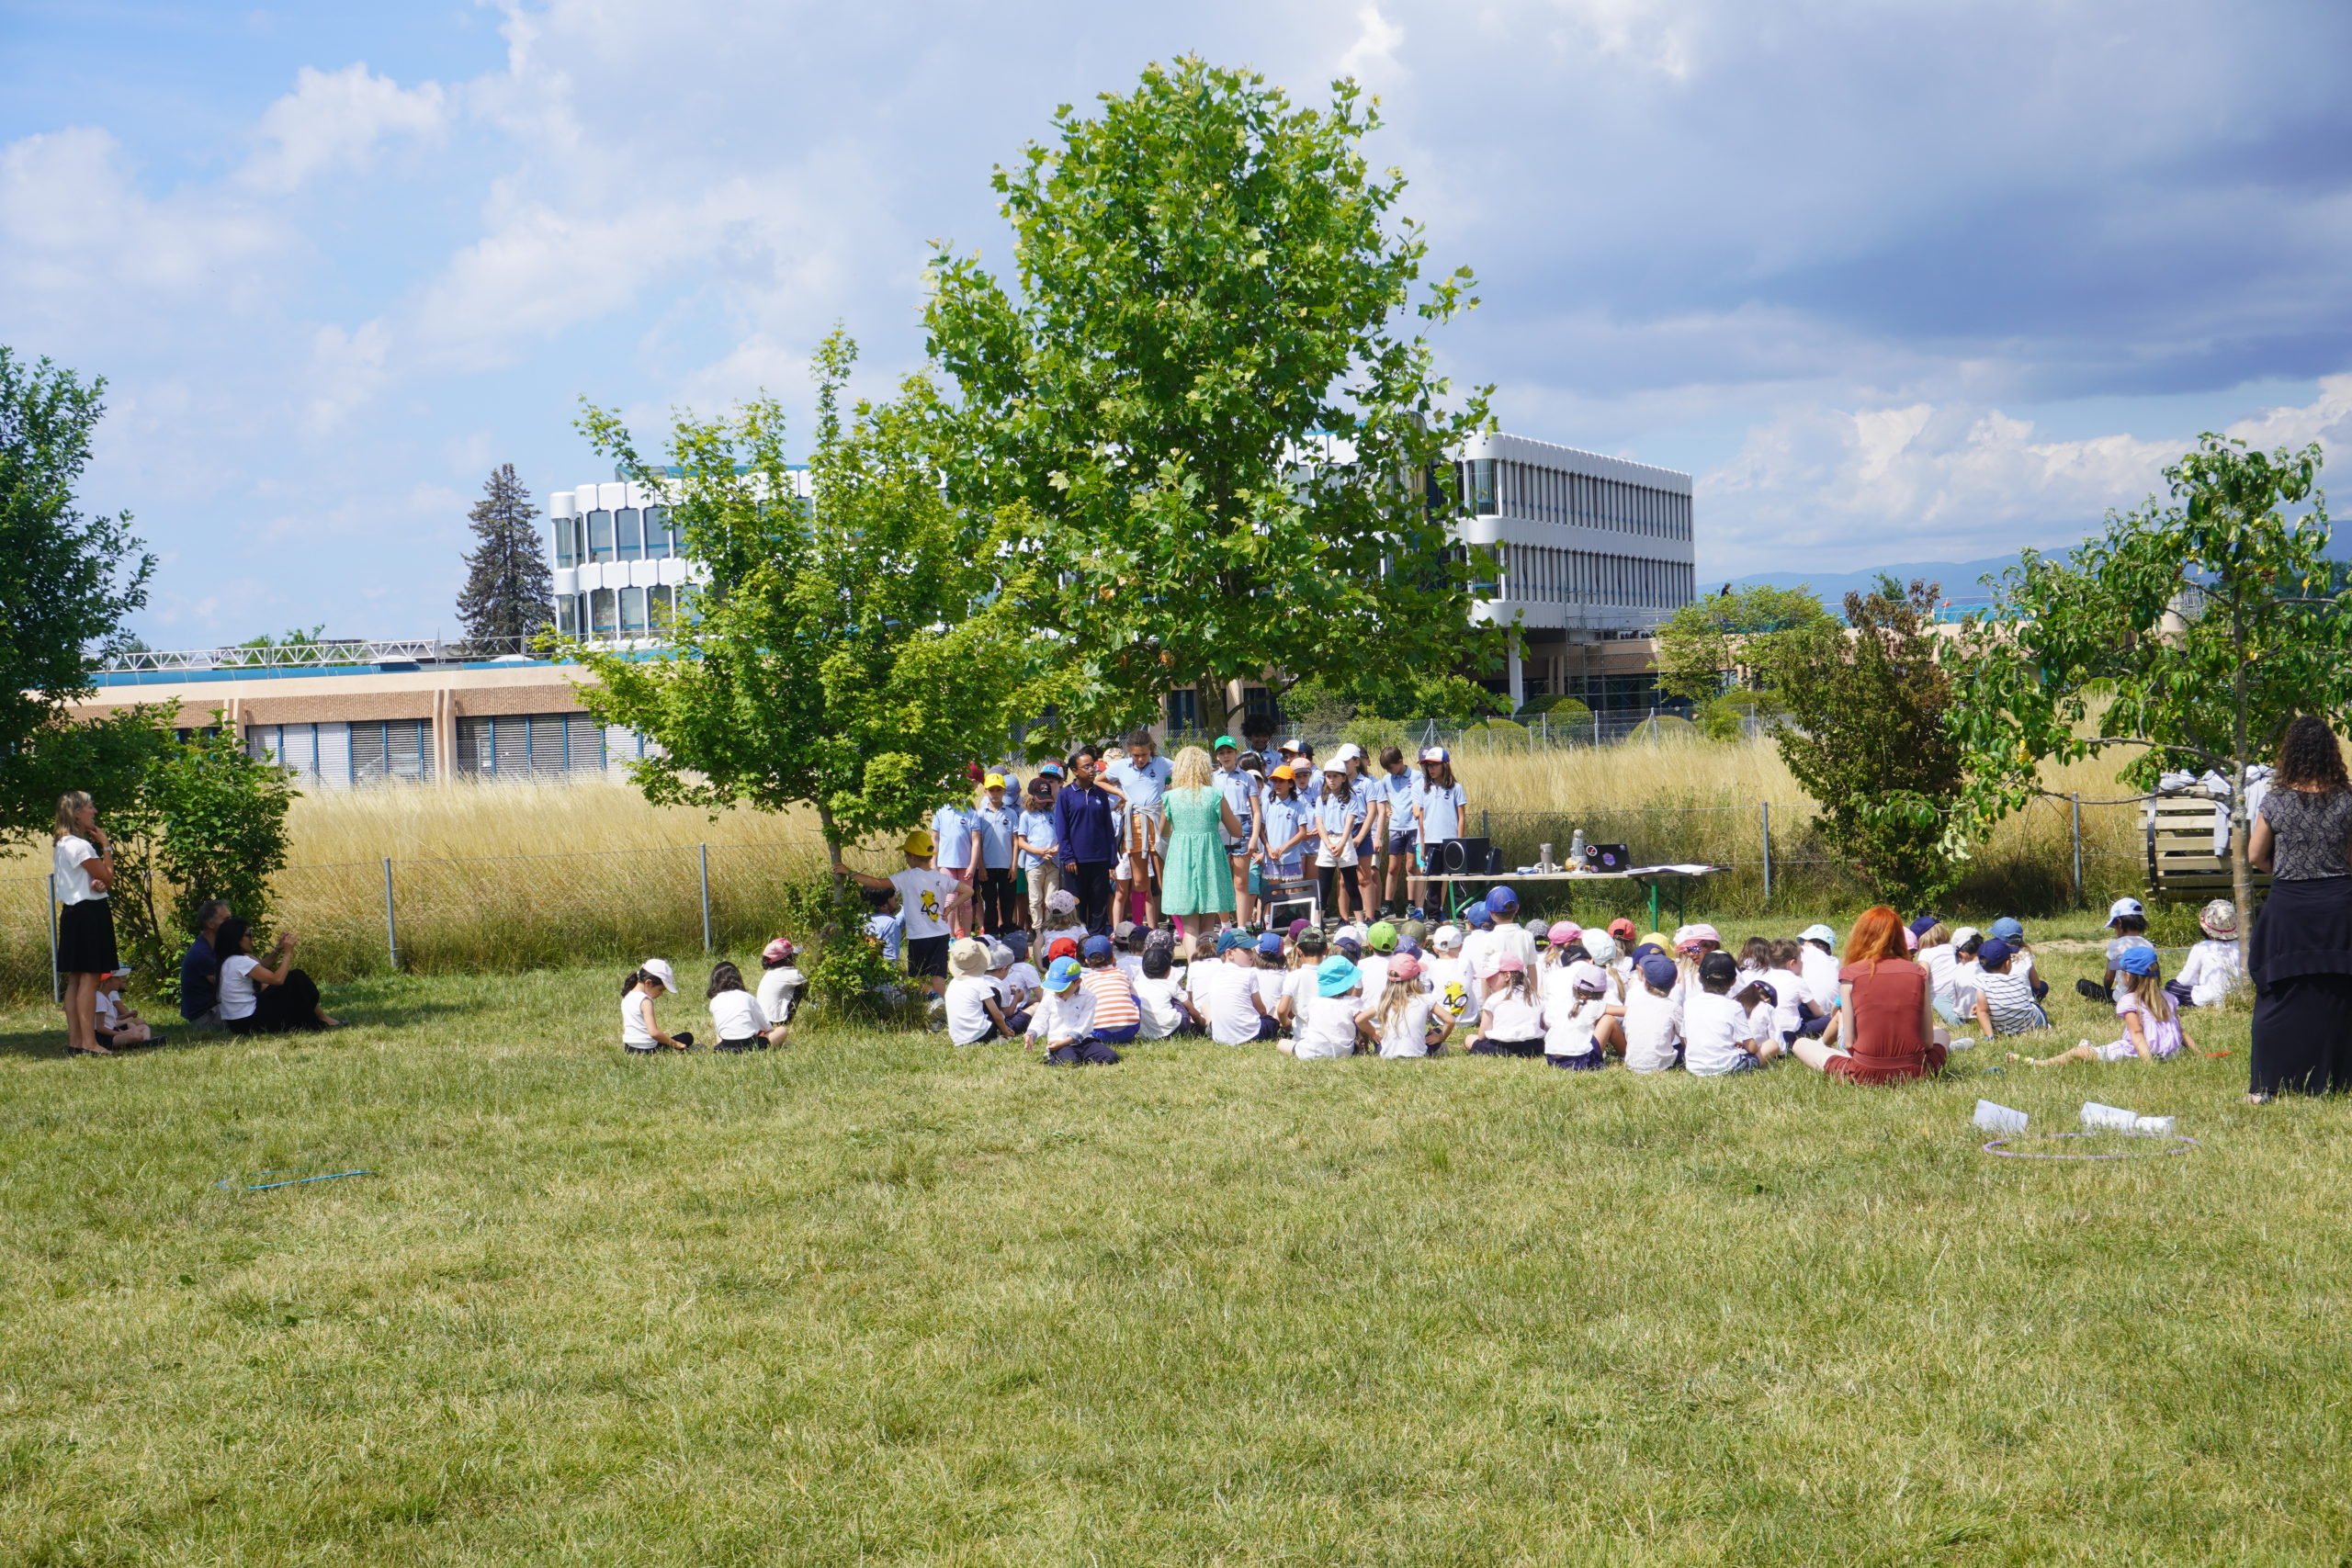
[1114, 998]
[2010, 1000]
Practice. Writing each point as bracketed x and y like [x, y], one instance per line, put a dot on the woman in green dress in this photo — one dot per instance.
[1196, 878]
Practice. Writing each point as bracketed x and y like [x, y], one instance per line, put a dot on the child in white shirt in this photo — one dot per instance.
[1448, 975]
[2213, 966]
[1326, 1021]
[1652, 1016]
[1511, 1023]
[780, 982]
[1405, 1012]
[1576, 1008]
[119, 1025]
[1166, 1011]
[737, 1023]
[1718, 1030]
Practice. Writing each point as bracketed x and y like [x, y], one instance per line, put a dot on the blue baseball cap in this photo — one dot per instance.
[1096, 947]
[1062, 976]
[1231, 938]
[1479, 914]
[2137, 960]
[1501, 898]
[1018, 942]
[1271, 945]
[1049, 770]
[1994, 952]
[1646, 951]
[1335, 977]
[2006, 927]
[1925, 924]
[1350, 946]
[1659, 971]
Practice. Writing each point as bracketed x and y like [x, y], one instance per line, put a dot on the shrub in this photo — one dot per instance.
[847, 973]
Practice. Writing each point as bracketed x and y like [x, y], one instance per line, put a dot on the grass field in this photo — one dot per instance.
[871, 1300]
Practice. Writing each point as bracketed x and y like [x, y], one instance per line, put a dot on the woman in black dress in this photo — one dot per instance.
[2301, 956]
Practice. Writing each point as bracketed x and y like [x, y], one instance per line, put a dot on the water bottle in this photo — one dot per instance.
[1576, 850]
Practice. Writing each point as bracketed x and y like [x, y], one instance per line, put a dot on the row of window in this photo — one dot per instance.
[615, 612]
[1491, 486]
[369, 751]
[528, 745]
[628, 534]
[1540, 574]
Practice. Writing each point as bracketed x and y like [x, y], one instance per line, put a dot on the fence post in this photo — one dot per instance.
[1766, 806]
[2077, 799]
[391, 930]
[703, 852]
[48, 896]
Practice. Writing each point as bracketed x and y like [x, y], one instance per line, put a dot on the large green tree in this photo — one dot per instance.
[850, 650]
[1728, 639]
[1212, 398]
[67, 580]
[509, 592]
[2188, 633]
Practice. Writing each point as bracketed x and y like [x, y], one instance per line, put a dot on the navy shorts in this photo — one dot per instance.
[927, 956]
[1486, 1047]
[1592, 1061]
[1083, 1053]
[1400, 844]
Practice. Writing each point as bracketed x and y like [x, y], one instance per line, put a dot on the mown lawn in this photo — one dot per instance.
[872, 1299]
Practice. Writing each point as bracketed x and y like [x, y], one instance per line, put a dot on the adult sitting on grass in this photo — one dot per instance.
[1886, 1009]
[2301, 957]
[201, 967]
[641, 1034]
[264, 998]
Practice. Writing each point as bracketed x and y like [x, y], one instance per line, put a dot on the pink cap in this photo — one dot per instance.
[1563, 932]
[1704, 933]
[779, 950]
[1910, 939]
[1406, 968]
[1510, 964]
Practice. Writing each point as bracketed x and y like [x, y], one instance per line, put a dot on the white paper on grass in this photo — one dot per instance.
[1999, 1118]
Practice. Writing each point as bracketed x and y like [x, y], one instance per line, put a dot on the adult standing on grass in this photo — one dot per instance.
[1888, 1008]
[1083, 810]
[1197, 878]
[86, 953]
[2301, 956]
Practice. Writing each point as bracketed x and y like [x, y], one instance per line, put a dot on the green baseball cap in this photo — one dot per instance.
[1226, 740]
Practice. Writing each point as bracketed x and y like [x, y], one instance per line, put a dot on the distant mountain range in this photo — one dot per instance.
[1959, 579]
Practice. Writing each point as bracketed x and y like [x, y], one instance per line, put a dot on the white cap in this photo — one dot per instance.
[2123, 907]
[1965, 935]
[1818, 934]
[1335, 766]
[1294, 744]
[660, 969]
[1589, 975]
[1347, 753]
[1446, 936]
[1602, 945]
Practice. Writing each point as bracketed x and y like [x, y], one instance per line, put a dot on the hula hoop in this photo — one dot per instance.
[2182, 1144]
[229, 1185]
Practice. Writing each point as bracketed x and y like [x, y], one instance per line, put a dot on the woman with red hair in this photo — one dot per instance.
[1887, 1001]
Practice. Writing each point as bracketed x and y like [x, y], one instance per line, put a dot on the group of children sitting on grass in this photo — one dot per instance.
[1572, 996]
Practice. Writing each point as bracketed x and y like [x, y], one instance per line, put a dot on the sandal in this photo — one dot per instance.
[73, 1050]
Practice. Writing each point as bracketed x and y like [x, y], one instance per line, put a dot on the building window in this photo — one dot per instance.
[567, 616]
[563, 556]
[600, 537]
[602, 618]
[659, 545]
[632, 612]
[632, 541]
[1482, 486]
[658, 608]
[1184, 712]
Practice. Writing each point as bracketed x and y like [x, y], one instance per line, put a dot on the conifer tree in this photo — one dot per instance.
[509, 589]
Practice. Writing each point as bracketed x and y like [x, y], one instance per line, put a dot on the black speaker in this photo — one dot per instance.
[1607, 857]
[1463, 857]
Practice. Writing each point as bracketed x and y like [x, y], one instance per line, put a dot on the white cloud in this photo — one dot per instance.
[335, 120]
[346, 368]
[1372, 57]
[2327, 419]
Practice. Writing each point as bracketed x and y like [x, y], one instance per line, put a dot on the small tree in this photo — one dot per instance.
[67, 581]
[1728, 638]
[851, 651]
[509, 590]
[1212, 399]
[1867, 735]
[2190, 632]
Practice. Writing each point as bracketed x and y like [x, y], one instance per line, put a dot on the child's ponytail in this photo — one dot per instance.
[636, 978]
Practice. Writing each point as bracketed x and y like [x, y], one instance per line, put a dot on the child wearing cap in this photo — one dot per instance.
[931, 900]
[2213, 966]
[976, 1010]
[641, 1034]
[2128, 919]
[1448, 975]
[1061, 921]
[1438, 806]
[117, 1024]
[1284, 826]
[2005, 1003]
[1117, 1017]
[1160, 1001]
[2152, 1026]
[1022, 985]
[1372, 967]
[737, 1020]
[1508, 935]
[1406, 1018]
[1068, 1020]
[1337, 817]
[1718, 1030]
[995, 822]
[1510, 1024]
[1326, 1021]
[1651, 1016]
[1288, 1004]
[780, 981]
[1576, 1012]
[1034, 848]
[1225, 992]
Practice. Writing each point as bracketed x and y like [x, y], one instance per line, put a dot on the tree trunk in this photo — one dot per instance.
[2240, 876]
[1217, 717]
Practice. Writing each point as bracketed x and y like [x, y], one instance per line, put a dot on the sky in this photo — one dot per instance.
[1896, 282]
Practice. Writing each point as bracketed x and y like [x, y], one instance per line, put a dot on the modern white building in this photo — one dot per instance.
[1591, 550]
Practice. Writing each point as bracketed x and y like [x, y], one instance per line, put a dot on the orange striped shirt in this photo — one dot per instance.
[1114, 1000]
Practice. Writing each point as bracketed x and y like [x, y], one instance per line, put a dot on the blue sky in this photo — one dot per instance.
[1897, 282]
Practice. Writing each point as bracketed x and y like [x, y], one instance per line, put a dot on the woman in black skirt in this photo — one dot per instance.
[85, 871]
[2300, 956]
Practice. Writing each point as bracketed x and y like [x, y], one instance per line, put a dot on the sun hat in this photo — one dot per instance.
[2123, 907]
[1510, 964]
[994, 781]
[779, 950]
[1434, 754]
[1335, 977]
[1601, 946]
[1622, 929]
[1718, 968]
[2006, 927]
[1403, 967]
[660, 969]
[1269, 946]
[2219, 919]
[1564, 932]
[1500, 899]
[1062, 976]
[966, 956]
[1062, 947]
[1994, 952]
[2137, 960]
[1589, 978]
[1061, 901]
[1445, 937]
[1381, 937]
[1096, 946]
[1227, 743]
[1284, 772]
[1659, 971]
[1818, 934]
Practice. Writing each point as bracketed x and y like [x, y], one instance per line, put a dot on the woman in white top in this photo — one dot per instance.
[736, 1016]
[85, 951]
[640, 1033]
[256, 999]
